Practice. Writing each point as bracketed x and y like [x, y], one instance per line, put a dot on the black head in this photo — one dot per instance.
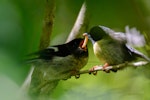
[75, 47]
[74, 44]
[97, 33]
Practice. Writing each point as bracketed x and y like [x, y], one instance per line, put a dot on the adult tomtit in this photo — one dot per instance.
[62, 61]
[111, 47]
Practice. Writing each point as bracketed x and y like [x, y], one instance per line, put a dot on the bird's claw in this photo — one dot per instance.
[77, 76]
[106, 70]
[75, 73]
[93, 71]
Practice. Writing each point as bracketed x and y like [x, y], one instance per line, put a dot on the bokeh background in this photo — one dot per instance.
[21, 23]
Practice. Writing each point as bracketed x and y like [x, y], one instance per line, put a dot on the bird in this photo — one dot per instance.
[55, 63]
[111, 47]
[62, 60]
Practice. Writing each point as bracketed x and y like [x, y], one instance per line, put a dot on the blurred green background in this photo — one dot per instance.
[21, 23]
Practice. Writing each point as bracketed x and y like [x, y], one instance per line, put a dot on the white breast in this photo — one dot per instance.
[97, 49]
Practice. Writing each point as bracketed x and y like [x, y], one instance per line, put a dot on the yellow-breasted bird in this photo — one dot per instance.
[112, 47]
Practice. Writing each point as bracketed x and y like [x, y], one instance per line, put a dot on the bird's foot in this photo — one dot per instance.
[77, 76]
[75, 73]
[105, 68]
[93, 70]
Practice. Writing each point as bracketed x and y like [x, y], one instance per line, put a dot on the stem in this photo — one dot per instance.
[48, 24]
[38, 82]
[115, 67]
[80, 25]
[35, 82]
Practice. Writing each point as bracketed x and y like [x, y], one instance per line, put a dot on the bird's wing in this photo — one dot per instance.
[131, 36]
[119, 36]
[134, 37]
[133, 51]
[47, 53]
[50, 52]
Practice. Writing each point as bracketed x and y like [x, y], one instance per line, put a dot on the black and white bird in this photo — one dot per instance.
[55, 63]
[112, 47]
[62, 61]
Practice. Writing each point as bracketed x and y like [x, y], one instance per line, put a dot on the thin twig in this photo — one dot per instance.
[115, 67]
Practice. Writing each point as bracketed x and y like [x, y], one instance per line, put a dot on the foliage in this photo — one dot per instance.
[21, 23]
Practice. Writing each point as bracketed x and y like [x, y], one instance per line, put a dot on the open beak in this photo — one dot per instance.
[85, 41]
[88, 36]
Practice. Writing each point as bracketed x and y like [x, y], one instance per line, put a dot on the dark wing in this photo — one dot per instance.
[46, 54]
[137, 53]
[50, 52]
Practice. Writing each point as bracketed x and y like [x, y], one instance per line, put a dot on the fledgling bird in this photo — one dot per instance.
[111, 47]
[62, 60]
[55, 63]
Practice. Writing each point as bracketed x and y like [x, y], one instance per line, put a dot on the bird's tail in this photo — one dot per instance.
[137, 53]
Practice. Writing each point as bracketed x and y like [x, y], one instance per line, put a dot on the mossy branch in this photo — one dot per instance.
[34, 80]
[48, 23]
[45, 38]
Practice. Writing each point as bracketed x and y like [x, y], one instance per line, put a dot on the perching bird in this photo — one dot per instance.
[62, 60]
[56, 63]
[111, 47]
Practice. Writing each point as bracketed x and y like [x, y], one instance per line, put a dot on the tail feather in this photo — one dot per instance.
[137, 53]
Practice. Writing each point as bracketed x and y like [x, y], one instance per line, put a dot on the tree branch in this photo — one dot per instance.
[115, 67]
[39, 83]
[34, 79]
[48, 24]
[80, 25]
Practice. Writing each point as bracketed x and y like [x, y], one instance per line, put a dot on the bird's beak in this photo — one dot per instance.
[88, 37]
[84, 44]
[85, 40]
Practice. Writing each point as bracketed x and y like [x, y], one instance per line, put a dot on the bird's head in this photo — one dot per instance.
[96, 33]
[78, 47]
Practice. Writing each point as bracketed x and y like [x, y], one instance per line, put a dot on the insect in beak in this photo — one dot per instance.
[84, 42]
